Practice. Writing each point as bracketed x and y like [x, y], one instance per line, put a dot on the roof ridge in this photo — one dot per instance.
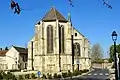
[53, 15]
[55, 12]
[18, 46]
[46, 14]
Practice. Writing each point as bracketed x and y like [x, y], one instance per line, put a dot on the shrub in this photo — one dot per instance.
[64, 75]
[10, 75]
[69, 73]
[33, 76]
[49, 76]
[85, 70]
[55, 75]
[44, 76]
[1, 76]
[20, 77]
[59, 76]
[80, 72]
[14, 78]
[15, 70]
[27, 76]
[75, 73]
[5, 76]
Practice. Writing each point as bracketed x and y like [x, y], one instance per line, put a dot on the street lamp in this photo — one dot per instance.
[114, 38]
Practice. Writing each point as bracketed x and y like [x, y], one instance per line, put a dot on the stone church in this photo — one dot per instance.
[52, 48]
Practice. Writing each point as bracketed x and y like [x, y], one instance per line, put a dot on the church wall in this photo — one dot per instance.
[84, 48]
[66, 62]
[51, 56]
[81, 63]
[66, 58]
[56, 48]
[79, 39]
[45, 35]
[29, 67]
[49, 62]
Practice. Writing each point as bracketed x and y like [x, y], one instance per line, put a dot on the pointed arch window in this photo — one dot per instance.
[49, 39]
[61, 36]
[77, 49]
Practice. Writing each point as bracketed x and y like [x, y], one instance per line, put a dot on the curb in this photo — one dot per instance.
[82, 74]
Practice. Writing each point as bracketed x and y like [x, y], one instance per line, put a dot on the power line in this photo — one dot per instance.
[107, 4]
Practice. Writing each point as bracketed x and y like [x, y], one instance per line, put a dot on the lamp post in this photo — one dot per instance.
[119, 66]
[114, 38]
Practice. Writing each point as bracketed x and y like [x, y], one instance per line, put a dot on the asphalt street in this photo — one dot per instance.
[95, 74]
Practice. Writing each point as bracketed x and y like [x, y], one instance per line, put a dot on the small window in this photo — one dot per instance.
[75, 34]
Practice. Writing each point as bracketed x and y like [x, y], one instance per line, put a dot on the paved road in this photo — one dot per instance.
[96, 74]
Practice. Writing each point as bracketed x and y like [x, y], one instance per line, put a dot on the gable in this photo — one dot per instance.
[21, 50]
[77, 35]
[12, 52]
[53, 15]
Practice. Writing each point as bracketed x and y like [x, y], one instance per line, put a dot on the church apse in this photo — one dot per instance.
[52, 51]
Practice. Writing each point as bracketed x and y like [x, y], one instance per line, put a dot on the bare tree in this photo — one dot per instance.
[97, 52]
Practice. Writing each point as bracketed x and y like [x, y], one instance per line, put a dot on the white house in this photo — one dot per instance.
[16, 58]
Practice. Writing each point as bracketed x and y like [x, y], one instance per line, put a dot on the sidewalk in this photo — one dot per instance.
[23, 73]
[79, 75]
[112, 74]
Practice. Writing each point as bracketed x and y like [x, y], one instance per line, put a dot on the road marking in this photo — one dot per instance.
[95, 74]
[106, 74]
[101, 73]
[89, 74]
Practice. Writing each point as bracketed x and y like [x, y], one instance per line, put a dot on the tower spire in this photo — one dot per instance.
[69, 18]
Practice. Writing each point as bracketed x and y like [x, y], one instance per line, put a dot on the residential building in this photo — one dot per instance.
[16, 58]
[3, 64]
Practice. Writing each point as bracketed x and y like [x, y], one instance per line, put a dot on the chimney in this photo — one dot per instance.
[1, 49]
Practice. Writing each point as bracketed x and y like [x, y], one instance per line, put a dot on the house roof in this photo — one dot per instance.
[3, 52]
[21, 50]
[53, 15]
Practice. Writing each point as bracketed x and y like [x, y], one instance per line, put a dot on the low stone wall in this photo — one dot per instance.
[102, 65]
[23, 73]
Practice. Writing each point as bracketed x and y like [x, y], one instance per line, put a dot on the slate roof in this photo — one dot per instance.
[3, 52]
[53, 15]
[21, 50]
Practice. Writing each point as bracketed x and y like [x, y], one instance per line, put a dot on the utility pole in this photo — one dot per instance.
[72, 46]
[32, 55]
[72, 51]
[59, 48]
